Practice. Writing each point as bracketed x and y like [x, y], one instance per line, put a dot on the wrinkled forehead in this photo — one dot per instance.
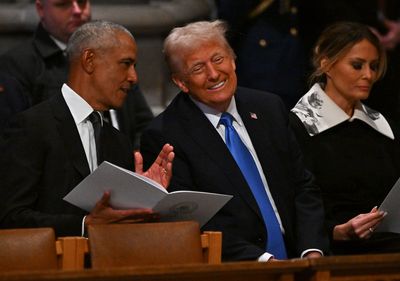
[187, 55]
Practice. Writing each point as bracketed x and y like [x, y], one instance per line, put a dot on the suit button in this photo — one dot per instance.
[293, 10]
[293, 31]
[263, 43]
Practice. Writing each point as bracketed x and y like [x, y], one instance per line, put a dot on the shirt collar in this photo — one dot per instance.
[214, 115]
[79, 108]
[59, 43]
[318, 113]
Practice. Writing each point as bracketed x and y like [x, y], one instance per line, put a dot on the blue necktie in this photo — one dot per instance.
[249, 170]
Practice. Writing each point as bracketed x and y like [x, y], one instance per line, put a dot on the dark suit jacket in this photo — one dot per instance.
[42, 160]
[41, 68]
[204, 163]
[11, 99]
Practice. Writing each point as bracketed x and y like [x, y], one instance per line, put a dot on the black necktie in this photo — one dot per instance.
[95, 118]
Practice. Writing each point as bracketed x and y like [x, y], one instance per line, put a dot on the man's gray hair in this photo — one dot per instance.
[94, 35]
[185, 39]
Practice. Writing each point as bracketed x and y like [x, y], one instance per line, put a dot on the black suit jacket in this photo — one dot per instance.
[204, 163]
[11, 99]
[41, 68]
[42, 160]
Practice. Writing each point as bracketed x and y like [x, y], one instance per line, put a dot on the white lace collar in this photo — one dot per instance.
[319, 113]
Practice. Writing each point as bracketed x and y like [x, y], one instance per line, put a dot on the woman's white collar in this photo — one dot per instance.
[319, 113]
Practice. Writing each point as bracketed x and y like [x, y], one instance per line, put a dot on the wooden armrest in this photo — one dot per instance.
[71, 252]
[211, 242]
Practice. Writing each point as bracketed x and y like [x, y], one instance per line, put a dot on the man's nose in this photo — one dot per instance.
[132, 75]
[212, 72]
[76, 7]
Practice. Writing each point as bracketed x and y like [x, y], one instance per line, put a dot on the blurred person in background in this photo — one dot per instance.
[267, 41]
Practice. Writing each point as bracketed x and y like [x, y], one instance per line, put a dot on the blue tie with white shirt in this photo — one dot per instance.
[245, 161]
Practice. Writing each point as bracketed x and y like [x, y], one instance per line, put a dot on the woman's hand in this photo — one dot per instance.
[359, 227]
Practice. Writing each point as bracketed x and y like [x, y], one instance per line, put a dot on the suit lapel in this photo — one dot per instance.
[257, 125]
[205, 136]
[255, 121]
[70, 135]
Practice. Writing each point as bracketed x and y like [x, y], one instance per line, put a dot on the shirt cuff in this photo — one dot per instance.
[265, 257]
[311, 250]
[83, 227]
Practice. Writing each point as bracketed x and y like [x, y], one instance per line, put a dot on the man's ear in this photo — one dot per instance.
[180, 83]
[39, 8]
[233, 64]
[87, 60]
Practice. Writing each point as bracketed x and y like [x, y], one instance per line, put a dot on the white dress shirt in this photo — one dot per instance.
[80, 111]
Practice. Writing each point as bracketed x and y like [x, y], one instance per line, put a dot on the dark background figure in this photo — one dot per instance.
[382, 15]
[265, 38]
[40, 65]
[12, 99]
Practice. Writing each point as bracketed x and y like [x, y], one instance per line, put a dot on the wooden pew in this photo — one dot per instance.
[71, 251]
[239, 271]
[383, 267]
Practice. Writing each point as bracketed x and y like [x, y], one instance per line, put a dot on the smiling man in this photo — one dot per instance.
[236, 141]
[50, 148]
[40, 66]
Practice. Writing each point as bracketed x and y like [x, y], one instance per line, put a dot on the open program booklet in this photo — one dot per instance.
[130, 190]
[391, 222]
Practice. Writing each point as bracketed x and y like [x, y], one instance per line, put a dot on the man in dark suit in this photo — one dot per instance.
[51, 147]
[40, 65]
[203, 67]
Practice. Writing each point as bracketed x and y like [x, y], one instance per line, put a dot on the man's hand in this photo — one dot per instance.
[392, 38]
[103, 213]
[359, 227]
[161, 170]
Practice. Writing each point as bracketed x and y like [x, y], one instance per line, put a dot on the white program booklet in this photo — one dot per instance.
[391, 222]
[130, 190]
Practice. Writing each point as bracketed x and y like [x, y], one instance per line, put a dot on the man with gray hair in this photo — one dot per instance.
[40, 67]
[50, 148]
[236, 141]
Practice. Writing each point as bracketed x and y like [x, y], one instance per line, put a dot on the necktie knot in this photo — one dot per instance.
[226, 119]
[95, 118]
